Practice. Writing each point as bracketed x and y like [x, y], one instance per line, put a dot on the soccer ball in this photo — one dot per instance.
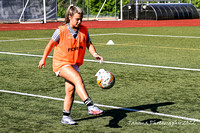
[105, 79]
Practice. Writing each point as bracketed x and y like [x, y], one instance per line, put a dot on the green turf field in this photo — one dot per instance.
[173, 93]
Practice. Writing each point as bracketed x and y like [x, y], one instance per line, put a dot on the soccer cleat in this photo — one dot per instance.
[93, 110]
[68, 120]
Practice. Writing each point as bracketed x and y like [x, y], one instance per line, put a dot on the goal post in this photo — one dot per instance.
[115, 18]
[44, 7]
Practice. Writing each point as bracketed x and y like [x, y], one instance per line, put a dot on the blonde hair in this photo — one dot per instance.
[71, 11]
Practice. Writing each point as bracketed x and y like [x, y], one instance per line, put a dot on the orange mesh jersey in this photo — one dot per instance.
[70, 51]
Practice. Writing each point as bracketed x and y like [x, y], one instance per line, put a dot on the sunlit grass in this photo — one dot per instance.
[167, 91]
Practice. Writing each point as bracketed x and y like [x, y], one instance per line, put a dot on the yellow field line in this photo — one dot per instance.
[176, 48]
[162, 47]
[9, 37]
[29, 50]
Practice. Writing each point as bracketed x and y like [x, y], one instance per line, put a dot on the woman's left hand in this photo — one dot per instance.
[98, 57]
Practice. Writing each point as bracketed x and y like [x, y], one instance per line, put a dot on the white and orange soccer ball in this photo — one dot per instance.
[105, 79]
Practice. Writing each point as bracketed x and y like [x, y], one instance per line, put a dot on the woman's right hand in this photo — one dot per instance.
[41, 63]
[47, 50]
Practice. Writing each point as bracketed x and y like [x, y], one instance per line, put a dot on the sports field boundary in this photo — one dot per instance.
[111, 62]
[106, 24]
[106, 106]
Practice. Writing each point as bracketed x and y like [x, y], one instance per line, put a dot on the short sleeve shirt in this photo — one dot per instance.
[56, 34]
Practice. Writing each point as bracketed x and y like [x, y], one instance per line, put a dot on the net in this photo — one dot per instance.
[13, 11]
[110, 16]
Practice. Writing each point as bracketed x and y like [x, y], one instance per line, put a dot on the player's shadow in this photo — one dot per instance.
[119, 114]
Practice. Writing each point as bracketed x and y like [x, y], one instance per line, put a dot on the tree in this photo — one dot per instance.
[95, 5]
[109, 7]
[61, 8]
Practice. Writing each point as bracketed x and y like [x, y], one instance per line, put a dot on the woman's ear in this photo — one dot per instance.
[70, 17]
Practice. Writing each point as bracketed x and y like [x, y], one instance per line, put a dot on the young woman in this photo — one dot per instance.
[71, 40]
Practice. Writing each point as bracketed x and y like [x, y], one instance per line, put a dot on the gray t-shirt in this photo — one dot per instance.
[56, 34]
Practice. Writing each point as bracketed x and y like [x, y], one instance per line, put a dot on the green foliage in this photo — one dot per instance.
[196, 3]
[94, 6]
[62, 7]
[109, 7]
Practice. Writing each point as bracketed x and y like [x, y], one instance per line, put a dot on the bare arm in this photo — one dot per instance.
[93, 52]
[46, 53]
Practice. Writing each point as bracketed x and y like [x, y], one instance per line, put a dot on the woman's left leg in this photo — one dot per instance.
[72, 76]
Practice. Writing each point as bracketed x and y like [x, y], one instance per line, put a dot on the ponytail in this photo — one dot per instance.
[71, 11]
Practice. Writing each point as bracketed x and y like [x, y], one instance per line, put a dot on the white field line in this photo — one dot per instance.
[124, 34]
[110, 62]
[106, 106]
[28, 39]
[144, 65]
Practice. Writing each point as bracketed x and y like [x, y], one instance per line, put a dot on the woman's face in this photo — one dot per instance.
[75, 21]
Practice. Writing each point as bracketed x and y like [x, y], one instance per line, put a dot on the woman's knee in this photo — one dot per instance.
[71, 75]
[70, 91]
[79, 81]
[69, 88]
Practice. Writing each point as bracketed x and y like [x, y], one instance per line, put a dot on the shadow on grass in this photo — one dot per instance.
[119, 114]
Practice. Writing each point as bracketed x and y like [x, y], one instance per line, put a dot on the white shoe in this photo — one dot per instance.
[93, 110]
[68, 120]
